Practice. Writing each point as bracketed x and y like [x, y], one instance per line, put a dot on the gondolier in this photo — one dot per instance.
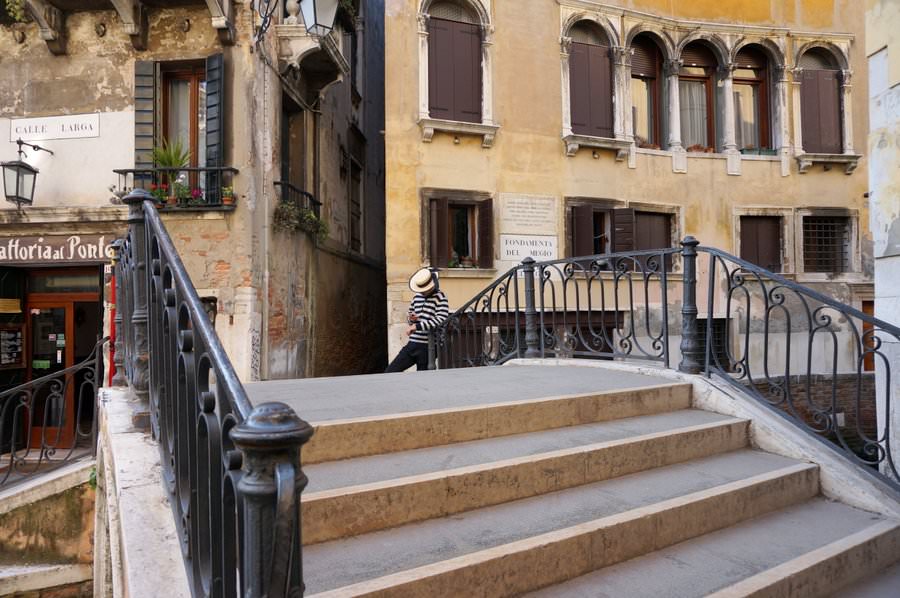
[427, 311]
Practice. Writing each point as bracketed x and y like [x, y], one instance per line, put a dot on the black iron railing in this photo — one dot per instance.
[182, 187]
[823, 364]
[232, 470]
[50, 421]
[293, 195]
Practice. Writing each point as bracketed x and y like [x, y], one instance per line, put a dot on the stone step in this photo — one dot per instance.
[351, 497]
[879, 585]
[15, 579]
[801, 551]
[392, 432]
[530, 543]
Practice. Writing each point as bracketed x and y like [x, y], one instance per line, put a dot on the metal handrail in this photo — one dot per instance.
[603, 306]
[304, 199]
[232, 469]
[20, 399]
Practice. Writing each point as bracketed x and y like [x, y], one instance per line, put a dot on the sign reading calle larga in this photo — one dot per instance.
[55, 249]
[70, 126]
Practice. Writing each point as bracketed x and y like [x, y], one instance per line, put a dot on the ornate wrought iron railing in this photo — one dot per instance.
[232, 470]
[603, 306]
[823, 364]
[50, 421]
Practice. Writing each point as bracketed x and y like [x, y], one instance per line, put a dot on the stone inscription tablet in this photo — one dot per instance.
[528, 214]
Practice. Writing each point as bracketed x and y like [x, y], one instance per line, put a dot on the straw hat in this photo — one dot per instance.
[422, 281]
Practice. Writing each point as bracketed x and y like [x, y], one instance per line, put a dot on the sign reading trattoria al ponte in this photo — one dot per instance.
[55, 249]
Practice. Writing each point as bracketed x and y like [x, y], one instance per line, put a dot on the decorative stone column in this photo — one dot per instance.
[487, 87]
[564, 52]
[671, 68]
[847, 111]
[423, 66]
[782, 141]
[622, 101]
[729, 137]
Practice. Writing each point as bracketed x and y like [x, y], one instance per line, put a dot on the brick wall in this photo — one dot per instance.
[853, 395]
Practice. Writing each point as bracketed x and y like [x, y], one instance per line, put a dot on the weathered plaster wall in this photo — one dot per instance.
[883, 50]
[528, 155]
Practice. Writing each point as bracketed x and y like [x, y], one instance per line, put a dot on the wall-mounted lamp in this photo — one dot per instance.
[19, 177]
[318, 15]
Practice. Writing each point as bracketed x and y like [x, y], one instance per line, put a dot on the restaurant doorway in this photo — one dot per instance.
[53, 324]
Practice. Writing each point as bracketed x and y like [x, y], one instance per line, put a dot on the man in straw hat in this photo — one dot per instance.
[428, 310]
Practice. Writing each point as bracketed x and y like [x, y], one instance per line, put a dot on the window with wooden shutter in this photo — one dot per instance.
[653, 230]
[697, 98]
[820, 112]
[485, 253]
[215, 130]
[462, 233]
[440, 232]
[454, 63]
[590, 83]
[583, 230]
[645, 92]
[761, 241]
[751, 99]
[623, 229]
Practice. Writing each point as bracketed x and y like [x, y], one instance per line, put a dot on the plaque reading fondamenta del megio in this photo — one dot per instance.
[528, 214]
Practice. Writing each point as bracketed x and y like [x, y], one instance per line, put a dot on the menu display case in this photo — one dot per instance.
[12, 346]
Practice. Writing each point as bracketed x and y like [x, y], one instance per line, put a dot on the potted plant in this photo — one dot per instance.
[289, 216]
[228, 196]
[169, 157]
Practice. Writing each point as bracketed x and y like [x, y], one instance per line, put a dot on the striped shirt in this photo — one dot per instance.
[431, 311]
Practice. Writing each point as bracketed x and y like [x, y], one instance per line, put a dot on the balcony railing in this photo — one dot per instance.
[50, 421]
[824, 365]
[232, 470]
[182, 187]
[304, 200]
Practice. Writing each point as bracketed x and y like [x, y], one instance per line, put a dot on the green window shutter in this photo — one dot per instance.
[145, 113]
[215, 129]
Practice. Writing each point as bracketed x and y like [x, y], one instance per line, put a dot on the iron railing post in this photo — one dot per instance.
[270, 440]
[691, 350]
[119, 346]
[140, 352]
[432, 350]
[532, 340]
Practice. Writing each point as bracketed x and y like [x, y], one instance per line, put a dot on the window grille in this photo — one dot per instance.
[719, 357]
[826, 244]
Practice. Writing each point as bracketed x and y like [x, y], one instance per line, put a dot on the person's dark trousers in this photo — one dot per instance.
[412, 354]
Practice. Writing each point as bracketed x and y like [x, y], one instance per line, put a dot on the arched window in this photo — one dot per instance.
[751, 99]
[646, 92]
[454, 63]
[696, 94]
[590, 81]
[820, 111]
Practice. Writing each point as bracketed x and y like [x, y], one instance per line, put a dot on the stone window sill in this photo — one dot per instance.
[575, 142]
[430, 125]
[850, 161]
[467, 272]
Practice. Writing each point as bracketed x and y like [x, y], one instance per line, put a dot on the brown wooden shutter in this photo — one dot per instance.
[440, 68]
[582, 230]
[440, 233]
[623, 229]
[652, 230]
[644, 62]
[486, 233]
[696, 54]
[830, 111]
[809, 112]
[579, 89]
[600, 91]
[467, 72]
[761, 241]
[144, 113]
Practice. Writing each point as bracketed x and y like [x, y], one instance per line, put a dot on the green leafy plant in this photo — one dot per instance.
[16, 10]
[289, 216]
[171, 154]
[92, 478]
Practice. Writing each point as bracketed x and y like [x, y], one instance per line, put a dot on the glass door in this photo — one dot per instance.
[51, 343]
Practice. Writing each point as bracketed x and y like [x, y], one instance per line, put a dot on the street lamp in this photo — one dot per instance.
[19, 177]
[318, 15]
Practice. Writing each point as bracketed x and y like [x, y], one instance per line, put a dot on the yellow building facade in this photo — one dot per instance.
[708, 140]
